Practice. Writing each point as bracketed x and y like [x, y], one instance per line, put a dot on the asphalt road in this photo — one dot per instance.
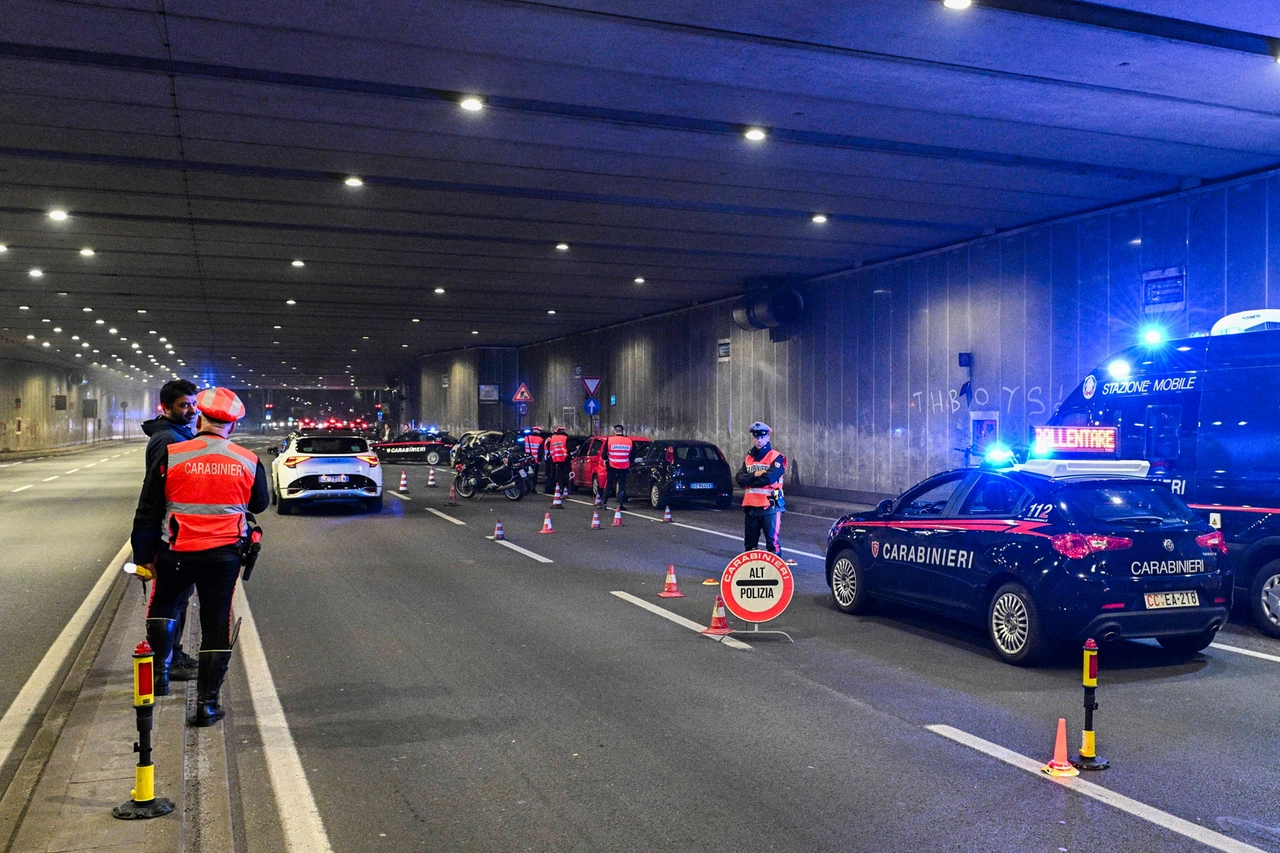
[447, 693]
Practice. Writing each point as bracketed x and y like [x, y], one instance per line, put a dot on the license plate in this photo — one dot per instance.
[333, 478]
[1156, 600]
[702, 485]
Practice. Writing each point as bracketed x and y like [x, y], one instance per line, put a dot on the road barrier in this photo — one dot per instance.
[143, 803]
[1089, 759]
[670, 589]
[1060, 766]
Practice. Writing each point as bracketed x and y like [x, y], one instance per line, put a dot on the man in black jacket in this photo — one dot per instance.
[178, 402]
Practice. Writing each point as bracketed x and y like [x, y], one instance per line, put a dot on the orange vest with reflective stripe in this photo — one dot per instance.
[619, 451]
[558, 448]
[207, 488]
[532, 444]
[758, 468]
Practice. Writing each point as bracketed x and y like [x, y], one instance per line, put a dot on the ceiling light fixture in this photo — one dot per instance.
[58, 215]
[353, 181]
[471, 104]
[142, 310]
[290, 302]
[416, 320]
[3, 248]
[475, 332]
[35, 272]
[562, 247]
[87, 252]
[439, 290]
[639, 280]
[552, 311]
[298, 263]
[957, 4]
[755, 134]
[113, 330]
[820, 218]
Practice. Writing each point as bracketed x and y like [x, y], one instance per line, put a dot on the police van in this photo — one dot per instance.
[1205, 413]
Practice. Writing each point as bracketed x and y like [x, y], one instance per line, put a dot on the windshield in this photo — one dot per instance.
[332, 444]
[1124, 503]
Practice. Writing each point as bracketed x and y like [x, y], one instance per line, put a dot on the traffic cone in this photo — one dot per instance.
[666, 515]
[617, 517]
[498, 535]
[710, 582]
[453, 495]
[558, 501]
[720, 625]
[404, 482]
[546, 525]
[431, 478]
[598, 499]
[670, 589]
[595, 519]
[1060, 766]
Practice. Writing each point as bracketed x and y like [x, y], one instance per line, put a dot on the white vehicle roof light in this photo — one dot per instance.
[1246, 321]
[1056, 468]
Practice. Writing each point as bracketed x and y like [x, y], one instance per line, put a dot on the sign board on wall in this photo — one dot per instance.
[722, 349]
[489, 393]
[1164, 290]
[444, 381]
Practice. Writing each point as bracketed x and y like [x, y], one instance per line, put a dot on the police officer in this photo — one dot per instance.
[189, 528]
[763, 504]
[557, 450]
[617, 462]
[176, 423]
[533, 446]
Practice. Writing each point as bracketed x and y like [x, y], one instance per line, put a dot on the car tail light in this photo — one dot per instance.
[293, 461]
[1077, 546]
[1119, 605]
[1214, 541]
[368, 458]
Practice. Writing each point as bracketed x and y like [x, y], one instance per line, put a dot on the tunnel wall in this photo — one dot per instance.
[30, 417]
[864, 395]
[450, 389]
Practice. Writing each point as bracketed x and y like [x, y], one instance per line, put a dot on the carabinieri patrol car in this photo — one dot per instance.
[1041, 554]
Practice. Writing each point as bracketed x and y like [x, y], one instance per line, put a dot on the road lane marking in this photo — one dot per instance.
[22, 488]
[72, 471]
[47, 479]
[449, 518]
[299, 818]
[400, 496]
[680, 620]
[700, 529]
[117, 456]
[1186, 828]
[91, 464]
[1250, 652]
[27, 702]
[525, 551]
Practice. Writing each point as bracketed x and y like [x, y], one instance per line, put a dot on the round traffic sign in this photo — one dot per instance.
[522, 408]
[757, 586]
[591, 406]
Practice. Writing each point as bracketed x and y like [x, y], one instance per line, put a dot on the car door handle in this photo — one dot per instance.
[924, 532]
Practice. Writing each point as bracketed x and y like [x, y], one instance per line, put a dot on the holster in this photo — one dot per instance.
[250, 548]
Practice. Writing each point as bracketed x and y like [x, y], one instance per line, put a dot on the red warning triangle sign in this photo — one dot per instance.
[591, 383]
[522, 395]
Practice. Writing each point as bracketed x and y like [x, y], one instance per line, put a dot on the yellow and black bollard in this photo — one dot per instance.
[144, 803]
[1089, 759]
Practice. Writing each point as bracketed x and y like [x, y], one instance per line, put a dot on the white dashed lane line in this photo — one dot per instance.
[680, 620]
[1247, 652]
[519, 550]
[400, 496]
[448, 518]
[72, 471]
[22, 488]
[47, 479]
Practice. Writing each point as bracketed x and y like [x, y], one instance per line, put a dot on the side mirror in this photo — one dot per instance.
[884, 507]
[273, 451]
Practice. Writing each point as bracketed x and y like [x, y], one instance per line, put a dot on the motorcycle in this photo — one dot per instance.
[490, 472]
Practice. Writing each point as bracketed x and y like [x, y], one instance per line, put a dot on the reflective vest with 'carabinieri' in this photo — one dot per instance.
[760, 468]
[619, 451]
[207, 489]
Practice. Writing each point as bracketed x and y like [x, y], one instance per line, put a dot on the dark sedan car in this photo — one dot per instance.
[675, 471]
[1041, 554]
[429, 447]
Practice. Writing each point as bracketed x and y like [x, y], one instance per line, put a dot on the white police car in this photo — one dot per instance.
[324, 467]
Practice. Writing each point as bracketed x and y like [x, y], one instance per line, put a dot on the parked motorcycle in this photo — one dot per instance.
[494, 471]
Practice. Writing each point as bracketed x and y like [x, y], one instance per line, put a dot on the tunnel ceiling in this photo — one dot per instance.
[201, 149]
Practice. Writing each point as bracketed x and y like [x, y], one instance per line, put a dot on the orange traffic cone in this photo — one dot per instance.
[670, 589]
[1060, 766]
[546, 525]
[558, 501]
[595, 519]
[598, 499]
[617, 518]
[710, 582]
[431, 478]
[453, 495]
[498, 535]
[404, 482]
[666, 515]
[720, 625]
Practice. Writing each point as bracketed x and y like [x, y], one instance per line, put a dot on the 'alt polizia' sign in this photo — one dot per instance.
[756, 586]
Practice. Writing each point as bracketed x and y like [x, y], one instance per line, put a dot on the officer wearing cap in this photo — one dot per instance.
[617, 462]
[557, 451]
[189, 528]
[762, 503]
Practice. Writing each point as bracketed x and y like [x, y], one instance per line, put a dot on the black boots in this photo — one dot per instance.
[160, 638]
[213, 668]
[182, 667]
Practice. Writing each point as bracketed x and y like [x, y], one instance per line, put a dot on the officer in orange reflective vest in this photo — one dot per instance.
[557, 450]
[617, 461]
[763, 504]
[533, 446]
[189, 529]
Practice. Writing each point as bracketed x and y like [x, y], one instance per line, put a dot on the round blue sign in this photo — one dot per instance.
[592, 406]
[523, 408]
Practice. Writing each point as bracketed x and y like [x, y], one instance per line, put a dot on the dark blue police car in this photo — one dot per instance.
[1041, 554]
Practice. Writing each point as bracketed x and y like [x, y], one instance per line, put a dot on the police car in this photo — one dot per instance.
[317, 467]
[1041, 554]
[416, 446]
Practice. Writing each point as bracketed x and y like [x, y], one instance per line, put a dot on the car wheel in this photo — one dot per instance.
[1189, 644]
[596, 488]
[1013, 622]
[283, 507]
[433, 457]
[1264, 598]
[848, 584]
[656, 497]
[374, 505]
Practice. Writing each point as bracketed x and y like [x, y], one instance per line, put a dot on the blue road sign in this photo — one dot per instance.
[522, 408]
[592, 406]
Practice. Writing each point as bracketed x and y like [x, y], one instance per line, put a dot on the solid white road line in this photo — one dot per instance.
[525, 551]
[24, 706]
[680, 620]
[1195, 832]
[299, 818]
[448, 518]
[1250, 652]
[21, 488]
[400, 496]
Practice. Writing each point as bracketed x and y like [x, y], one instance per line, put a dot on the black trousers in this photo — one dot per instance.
[617, 479]
[768, 523]
[213, 574]
[559, 475]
